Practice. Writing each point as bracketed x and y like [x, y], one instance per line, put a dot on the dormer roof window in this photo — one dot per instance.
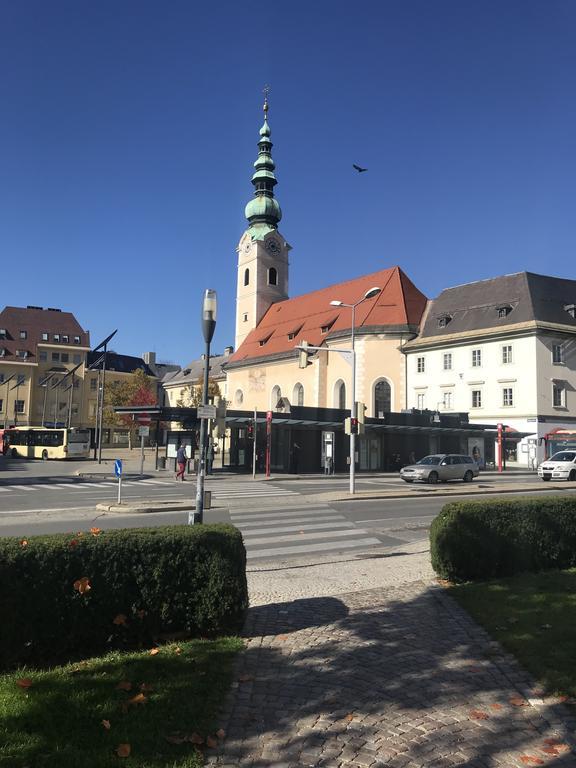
[3, 333]
[504, 310]
[22, 353]
[293, 334]
[263, 341]
[443, 320]
[326, 327]
[571, 309]
[2, 352]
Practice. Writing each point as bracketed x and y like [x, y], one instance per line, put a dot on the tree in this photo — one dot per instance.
[137, 390]
[191, 396]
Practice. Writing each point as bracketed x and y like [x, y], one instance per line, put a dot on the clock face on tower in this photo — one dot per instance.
[272, 246]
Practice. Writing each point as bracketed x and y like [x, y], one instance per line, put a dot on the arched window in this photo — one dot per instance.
[238, 397]
[298, 394]
[340, 394]
[382, 398]
[272, 276]
[275, 397]
[246, 276]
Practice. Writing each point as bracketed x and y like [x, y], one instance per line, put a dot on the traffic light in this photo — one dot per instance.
[351, 426]
[361, 414]
[220, 417]
[250, 429]
[304, 355]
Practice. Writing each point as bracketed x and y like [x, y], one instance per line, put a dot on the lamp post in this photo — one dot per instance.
[6, 381]
[209, 306]
[353, 411]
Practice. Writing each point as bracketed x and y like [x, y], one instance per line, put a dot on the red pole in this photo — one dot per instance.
[499, 447]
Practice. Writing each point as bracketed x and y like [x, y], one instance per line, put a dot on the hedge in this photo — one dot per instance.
[68, 595]
[471, 540]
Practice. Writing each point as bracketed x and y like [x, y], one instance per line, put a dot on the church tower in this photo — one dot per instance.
[262, 251]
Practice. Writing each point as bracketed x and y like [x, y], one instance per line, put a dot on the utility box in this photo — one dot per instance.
[207, 499]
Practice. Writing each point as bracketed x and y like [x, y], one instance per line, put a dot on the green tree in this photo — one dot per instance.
[137, 389]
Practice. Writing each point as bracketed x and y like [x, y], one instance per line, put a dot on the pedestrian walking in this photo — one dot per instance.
[181, 460]
[210, 458]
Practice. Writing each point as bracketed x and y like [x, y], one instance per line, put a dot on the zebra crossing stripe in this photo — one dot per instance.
[291, 520]
[276, 514]
[297, 528]
[305, 548]
[255, 540]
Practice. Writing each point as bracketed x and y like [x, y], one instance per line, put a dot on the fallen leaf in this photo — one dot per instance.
[281, 637]
[221, 733]
[106, 724]
[518, 701]
[24, 683]
[123, 750]
[178, 650]
[95, 531]
[349, 717]
[23, 543]
[154, 651]
[82, 585]
[124, 685]
[551, 751]
[80, 534]
[176, 738]
[138, 699]
[495, 706]
[477, 714]
[195, 738]
[119, 620]
[555, 745]
[211, 742]
[531, 760]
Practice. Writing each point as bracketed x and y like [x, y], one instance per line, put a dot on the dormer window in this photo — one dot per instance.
[65, 339]
[294, 334]
[22, 353]
[2, 352]
[326, 327]
[56, 337]
[443, 320]
[504, 310]
[263, 341]
[45, 336]
[571, 309]
[23, 334]
[76, 339]
[3, 333]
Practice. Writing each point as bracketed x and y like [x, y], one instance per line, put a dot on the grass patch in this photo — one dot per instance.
[58, 721]
[533, 616]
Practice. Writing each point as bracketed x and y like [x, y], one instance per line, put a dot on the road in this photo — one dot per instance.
[280, 520]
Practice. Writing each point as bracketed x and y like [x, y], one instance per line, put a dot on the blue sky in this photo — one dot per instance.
[129, 129]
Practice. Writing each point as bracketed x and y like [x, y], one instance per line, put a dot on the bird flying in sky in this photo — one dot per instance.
[358, 168]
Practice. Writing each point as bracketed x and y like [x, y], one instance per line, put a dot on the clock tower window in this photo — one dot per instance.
[246, 277]
[272, 276]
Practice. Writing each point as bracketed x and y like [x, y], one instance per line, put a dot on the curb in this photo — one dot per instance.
[168, 506]
[431, 494]
[112, 476]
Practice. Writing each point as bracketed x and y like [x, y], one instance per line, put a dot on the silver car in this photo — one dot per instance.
[439, 467]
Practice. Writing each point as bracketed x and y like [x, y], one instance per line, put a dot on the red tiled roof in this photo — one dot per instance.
[36, 321]
[399, 304]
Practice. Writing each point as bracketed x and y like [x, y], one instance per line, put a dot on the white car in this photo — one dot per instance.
[560, 466]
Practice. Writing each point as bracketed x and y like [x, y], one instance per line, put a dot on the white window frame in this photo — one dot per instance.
[561, 390]
[421, 364]
[507, 397]
[447, 361]
[476, 394]
[421, 400]
[447, 401]
[476, 358]
[507, 354]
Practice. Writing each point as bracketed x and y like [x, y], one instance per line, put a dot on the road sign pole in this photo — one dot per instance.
[254, 445]
[141, 455]
[120, 489]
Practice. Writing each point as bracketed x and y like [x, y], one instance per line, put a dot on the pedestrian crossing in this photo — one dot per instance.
[223, 488]
[274, 532]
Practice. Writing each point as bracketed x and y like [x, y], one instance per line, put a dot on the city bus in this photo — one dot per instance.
[45, 443]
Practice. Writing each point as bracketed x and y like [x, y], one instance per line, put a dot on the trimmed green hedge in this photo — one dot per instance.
[472, 540]
[143, 584]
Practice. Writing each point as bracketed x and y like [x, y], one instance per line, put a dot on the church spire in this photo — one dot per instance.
[263, 211]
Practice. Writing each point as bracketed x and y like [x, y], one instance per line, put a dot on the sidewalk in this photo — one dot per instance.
[367, 662]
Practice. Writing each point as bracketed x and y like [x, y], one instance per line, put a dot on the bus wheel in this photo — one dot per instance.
[44, 455]
[14, 453]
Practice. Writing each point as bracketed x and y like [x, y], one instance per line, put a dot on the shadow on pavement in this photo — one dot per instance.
[399, 677]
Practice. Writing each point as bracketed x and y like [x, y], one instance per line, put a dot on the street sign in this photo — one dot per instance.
[144, 418]
[118, 467]
[143, 431]
[206, 411]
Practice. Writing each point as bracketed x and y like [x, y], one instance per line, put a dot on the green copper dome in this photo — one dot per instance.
[263, 209]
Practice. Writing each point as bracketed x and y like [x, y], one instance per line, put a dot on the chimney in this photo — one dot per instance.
[149, 358]
[228, 351]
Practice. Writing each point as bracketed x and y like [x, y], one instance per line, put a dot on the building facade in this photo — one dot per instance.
[503, 350]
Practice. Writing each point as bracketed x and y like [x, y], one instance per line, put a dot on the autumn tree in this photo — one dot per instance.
[136, 390]
[191, 395]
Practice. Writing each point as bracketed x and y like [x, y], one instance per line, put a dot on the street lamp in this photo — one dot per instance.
[7, 381]
[353, 410]
[209, 306]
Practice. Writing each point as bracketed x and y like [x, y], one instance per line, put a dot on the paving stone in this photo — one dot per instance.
[397, 677]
